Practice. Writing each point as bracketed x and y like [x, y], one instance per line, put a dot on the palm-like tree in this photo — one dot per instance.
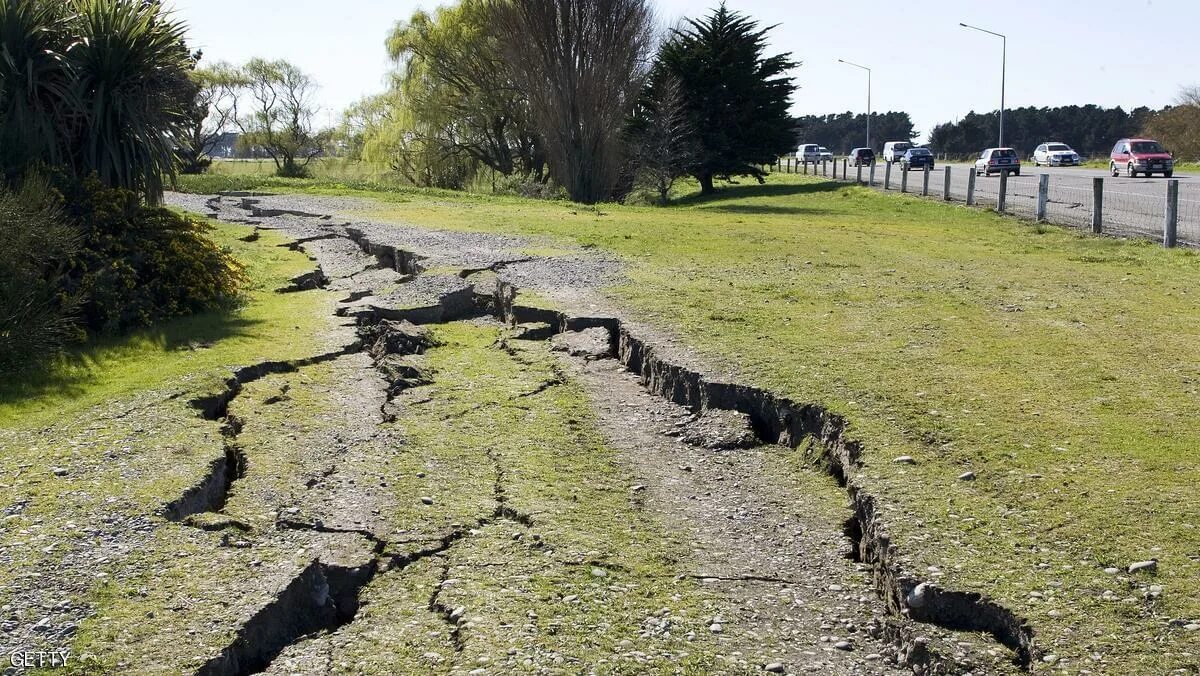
[93, 86]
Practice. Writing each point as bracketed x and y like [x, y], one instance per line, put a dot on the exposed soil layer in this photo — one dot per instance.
[406, 503]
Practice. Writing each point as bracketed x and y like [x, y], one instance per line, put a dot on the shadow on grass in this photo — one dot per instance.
[715, 202]
[83, 367]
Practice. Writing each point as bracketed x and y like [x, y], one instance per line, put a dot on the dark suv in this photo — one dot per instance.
[1140, 155]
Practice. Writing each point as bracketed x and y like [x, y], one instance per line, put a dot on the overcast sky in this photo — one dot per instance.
[1107, 52]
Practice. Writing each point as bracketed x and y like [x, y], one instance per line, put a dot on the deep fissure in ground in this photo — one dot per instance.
[384, 333]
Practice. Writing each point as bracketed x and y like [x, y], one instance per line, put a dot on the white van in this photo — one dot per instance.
[894, 150]
[809, 152]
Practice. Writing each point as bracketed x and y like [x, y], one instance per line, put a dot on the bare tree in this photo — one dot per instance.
[278, 115]
[211, 114]
[582, 64]
[662, 137]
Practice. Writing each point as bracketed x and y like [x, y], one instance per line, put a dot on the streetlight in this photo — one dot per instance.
[1003, 61]
[868, 96]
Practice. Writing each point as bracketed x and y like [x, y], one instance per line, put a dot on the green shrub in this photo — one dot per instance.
[36, 315]
[141, 264]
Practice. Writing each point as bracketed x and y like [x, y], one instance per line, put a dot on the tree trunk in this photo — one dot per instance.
[706, 183]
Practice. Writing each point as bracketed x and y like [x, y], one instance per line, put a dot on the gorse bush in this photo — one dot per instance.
[35, 247]
[141, 264]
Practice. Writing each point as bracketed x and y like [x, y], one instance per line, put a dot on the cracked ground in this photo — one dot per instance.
[462, 496]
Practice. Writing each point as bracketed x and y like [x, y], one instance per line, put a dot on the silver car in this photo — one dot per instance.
[997, 161]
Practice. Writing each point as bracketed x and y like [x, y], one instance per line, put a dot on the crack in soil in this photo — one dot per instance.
[778, 420]
[494, 267]
[775, 420]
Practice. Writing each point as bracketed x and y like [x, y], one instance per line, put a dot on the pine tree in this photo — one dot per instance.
[737, 99]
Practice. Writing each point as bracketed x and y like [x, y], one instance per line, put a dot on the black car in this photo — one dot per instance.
[917, 158]
[861, 157]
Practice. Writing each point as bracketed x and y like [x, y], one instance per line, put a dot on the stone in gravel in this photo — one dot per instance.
[843, 645]
[774, 668]
[59, 471]
[1148, 566]
[966, 476]
[719, 430]
[427, 500]
[599, 572]
[716, 628]
[905, 460]
[593, 343]
[1111, 571]
[1192, 627]
[918, 597]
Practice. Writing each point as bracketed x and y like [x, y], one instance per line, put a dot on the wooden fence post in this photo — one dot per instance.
[946, 185]
[903, 178]
[1043, 196]
[1000, 201]
[1097, 204]
[1171, 220]
[871, 176]
[887, 175]
[925, 181]
[971, 175]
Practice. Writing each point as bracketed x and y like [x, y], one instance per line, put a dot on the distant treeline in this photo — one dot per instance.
[841, 132]
[1090, 130]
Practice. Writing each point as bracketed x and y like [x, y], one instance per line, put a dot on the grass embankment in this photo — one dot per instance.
[1059, 368]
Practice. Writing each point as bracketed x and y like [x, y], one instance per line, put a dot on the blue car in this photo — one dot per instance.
[917, 158]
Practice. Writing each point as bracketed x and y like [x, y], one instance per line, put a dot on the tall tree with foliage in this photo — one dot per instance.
[275, 113]
[581, 63]
[451, 78]
[737, 98]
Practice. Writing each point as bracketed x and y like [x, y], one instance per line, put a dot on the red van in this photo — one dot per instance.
[1140, 156]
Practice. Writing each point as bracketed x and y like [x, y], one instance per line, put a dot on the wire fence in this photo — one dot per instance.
[1162, 210]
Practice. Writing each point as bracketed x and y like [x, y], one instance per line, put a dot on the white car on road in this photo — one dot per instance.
[809, 152]
[894, 150]
[826, 156]
[1053, 154]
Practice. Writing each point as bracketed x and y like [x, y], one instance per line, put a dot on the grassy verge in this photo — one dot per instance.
[1058, 368]
[267, 325]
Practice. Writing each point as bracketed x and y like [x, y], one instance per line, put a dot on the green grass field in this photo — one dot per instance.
[1058, 367]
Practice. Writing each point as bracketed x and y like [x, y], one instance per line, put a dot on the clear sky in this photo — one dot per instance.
[1107, 52]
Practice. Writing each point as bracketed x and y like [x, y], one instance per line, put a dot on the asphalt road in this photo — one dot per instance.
[1132, 206]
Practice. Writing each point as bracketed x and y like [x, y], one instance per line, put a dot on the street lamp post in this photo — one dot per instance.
[1003, 62]
[868, 96]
